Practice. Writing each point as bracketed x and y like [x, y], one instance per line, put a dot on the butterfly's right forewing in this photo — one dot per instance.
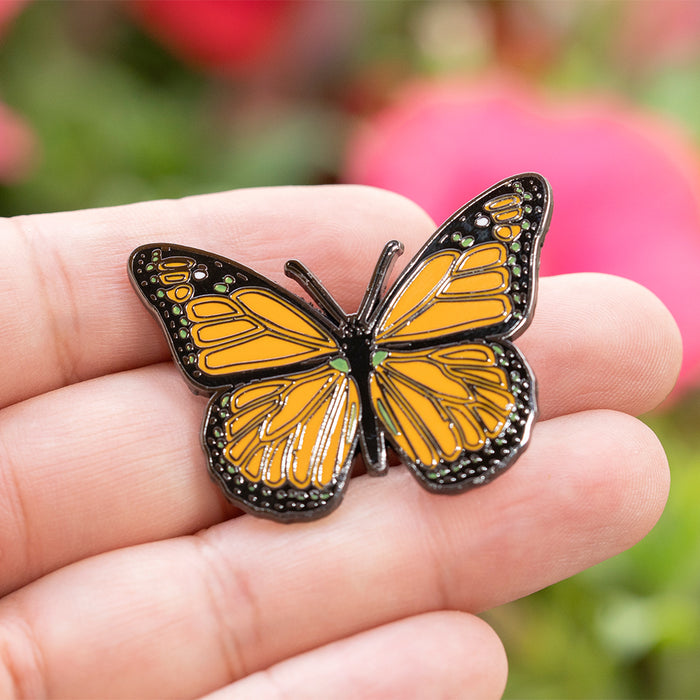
[448, 293]
[486, 252]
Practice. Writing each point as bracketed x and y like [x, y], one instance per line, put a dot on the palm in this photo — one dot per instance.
[126, 573]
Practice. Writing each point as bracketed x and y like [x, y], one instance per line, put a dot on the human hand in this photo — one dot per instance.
[127, 574]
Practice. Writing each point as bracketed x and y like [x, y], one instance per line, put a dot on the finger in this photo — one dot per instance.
[621, 352]
[66, 296]
[598, 341]
[436, 655]
[111, 462]
[228, 603]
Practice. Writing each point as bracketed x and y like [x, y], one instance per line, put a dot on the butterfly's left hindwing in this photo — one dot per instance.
[282, 447]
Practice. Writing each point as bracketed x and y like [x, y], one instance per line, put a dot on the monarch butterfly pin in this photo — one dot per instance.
[426, 369]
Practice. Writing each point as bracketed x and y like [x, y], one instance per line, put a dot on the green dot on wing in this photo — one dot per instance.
[378, 357]
[341, 364]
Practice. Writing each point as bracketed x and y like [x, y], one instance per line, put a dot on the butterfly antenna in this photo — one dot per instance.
[377, 284]
[304, 277]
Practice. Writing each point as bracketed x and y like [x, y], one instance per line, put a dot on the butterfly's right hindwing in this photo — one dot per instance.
[457, 415]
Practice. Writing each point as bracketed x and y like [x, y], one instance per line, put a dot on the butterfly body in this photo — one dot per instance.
[426, 369]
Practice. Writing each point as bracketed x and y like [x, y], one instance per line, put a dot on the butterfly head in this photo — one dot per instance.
[354, 327]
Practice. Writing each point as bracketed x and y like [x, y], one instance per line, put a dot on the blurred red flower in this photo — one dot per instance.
[626, 187]
[16, 139]
[8, 11]
[275, 46]
[216, 34]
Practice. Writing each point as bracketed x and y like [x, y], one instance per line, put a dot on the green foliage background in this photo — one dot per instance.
[119, 120]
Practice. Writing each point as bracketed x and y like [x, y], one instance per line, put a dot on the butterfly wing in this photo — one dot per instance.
[477, 274]
[281, 429]
[457, 414]
[282, 447]
[454, 397]
[224, 321]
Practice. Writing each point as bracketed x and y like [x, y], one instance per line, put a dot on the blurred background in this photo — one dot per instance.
[112, 102]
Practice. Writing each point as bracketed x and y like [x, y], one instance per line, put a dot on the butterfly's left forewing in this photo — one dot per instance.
[281, 428]
[224, 321]
[454, 396]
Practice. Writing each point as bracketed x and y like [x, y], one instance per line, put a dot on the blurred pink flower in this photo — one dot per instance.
[656, 31]
[17, 147]
[626, 187]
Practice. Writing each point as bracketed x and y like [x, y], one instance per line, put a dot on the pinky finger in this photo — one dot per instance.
[436, 655]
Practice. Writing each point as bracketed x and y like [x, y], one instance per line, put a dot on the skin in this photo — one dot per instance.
[126, 574]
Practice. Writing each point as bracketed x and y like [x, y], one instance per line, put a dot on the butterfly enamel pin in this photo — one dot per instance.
[426, 369]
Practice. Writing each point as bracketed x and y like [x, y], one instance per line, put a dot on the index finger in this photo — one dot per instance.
[70, 311]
